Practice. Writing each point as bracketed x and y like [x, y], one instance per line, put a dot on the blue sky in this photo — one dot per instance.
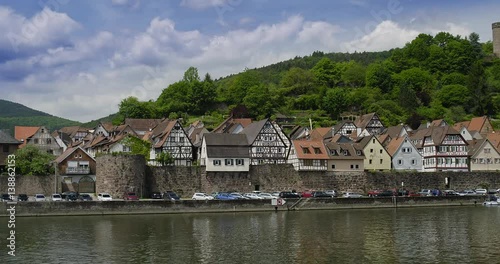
[79, 59]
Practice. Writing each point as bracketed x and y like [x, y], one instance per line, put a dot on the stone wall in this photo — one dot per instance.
[181, 179]
[30, 185]
[121, 173]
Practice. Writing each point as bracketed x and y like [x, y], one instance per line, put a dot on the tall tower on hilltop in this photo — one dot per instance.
[496, 38]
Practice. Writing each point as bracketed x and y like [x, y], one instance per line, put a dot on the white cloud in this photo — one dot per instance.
[42, 30]
[202, 4]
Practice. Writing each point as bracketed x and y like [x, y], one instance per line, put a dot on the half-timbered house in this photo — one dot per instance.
[268, 144]
[170, 137]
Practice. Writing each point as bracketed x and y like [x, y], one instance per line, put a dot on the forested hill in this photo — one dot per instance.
[14, 114]
[431, 77]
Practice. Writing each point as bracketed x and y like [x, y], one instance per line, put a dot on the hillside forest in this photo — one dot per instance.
[431, 77]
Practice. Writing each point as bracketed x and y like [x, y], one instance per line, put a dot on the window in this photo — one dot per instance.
[240, 162]
[373, 141]
[333, 166]
[371, 150]
[317, 163]
[357, 166]
[49, 141]
[400, 162]
[346, 152]
[332, 152]
[317, 151]
[172, 139]
[380, 151]
[5, 148]
[35, 141]
[358, 152]
[305, 150]
[413, 162]
[181, 139]
[370, 161]
[229, 162]
[381, 161]
[307, 162]
[352, 166]
[126, 149]
[487, 150]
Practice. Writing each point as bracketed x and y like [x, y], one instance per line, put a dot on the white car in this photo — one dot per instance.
[202, 196]
[253, 196]
[266, 195]
[104, 197]
[276, 194]
[481, 191]
[39, 197]
[56, 197]
[352, 195]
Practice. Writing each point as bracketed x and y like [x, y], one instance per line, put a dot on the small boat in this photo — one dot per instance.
[492, 200]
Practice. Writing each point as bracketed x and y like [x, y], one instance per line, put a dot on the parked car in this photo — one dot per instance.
[65, 194]
[289, 195]
[40, 197]
[130, 196]
[266, 196]
[352, 195]
[170, 195]
[253, 196]
[481, 191]
[450, 193]
[56, 197]
[225, 196]
[22, 197]
[104, 197]
[275, 194]
[84, 197]
[71, 197]
[386, 193]
[239, 196]
[413, 194]
[6, 198]
[425, 192]
[466, 193]
[201, 196]
[321, 194]
[374, 193]
[332, 193]
[156, 195]
[306, 194]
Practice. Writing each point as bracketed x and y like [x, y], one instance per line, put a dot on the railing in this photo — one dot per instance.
[77, 170]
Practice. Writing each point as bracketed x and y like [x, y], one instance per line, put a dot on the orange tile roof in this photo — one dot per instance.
[22, 133]
[494, 138]
[458, 126]
[394, 145]
[476, 123]
[300, 145]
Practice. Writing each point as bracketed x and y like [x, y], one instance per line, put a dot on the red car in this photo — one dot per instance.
[374, 193]
[307, 194]
[130, 196]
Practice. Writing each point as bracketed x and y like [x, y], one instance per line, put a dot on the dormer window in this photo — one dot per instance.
[305, 150]
[317, 151]
[346, 152]
[332, 152]
[358, 152]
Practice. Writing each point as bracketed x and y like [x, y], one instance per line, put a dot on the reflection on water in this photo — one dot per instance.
[415, 235]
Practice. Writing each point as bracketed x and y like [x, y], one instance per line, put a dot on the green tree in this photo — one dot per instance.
[191, 75]
[453, 95]
[165, 158]
[420, 81]
[297, 81]
[354, 75]
[478, 89]
[326, 72]
[378, 75]
[257, 101]
[32, 161]
[137, 146]
[335, 101]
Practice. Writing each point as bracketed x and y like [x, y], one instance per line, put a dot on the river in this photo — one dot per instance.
[410, 235]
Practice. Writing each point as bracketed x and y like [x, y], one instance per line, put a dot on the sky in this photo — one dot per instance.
[79, 59]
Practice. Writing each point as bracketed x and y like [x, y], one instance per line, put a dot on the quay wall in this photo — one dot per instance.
[215, 206]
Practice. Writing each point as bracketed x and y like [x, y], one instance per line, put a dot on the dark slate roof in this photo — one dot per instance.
[253, 130]
[5, 138]
[352, 149]
[226, 145]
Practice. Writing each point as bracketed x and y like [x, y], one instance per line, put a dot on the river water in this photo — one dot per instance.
[410, 235]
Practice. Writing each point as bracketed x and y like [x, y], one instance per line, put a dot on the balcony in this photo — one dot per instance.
[77, 170]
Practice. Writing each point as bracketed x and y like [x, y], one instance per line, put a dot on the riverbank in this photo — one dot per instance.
[23, 209]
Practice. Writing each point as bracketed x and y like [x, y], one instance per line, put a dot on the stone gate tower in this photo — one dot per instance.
[496, 38]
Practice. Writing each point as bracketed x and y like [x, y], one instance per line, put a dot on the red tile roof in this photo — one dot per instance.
[310, 145]
[22, 133]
